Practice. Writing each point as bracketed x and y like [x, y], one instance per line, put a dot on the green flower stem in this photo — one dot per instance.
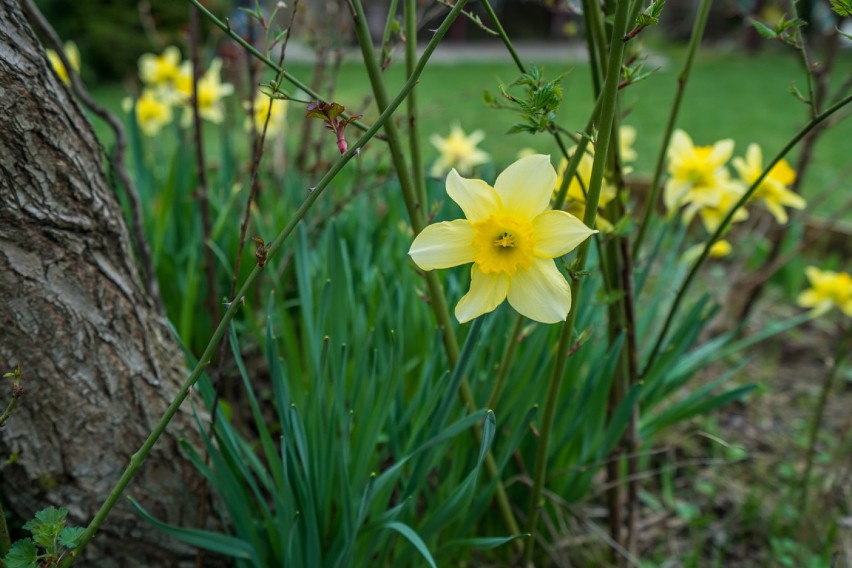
[138, 458]
[388, 28]
[417, 171]
[418, 222]
[505, 362]
[840, 355]
[596, 43]
[723, 226]
[362, 33]
[651, 202]
[503, 35]
[609, 99]
[225, 26]
[574, 161]
[570, 170]
[576, 157]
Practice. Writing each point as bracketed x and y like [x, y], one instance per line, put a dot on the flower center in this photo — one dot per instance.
[503, 244]
[697, 168]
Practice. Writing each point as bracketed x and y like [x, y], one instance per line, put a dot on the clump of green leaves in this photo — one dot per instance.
[842, 8]
[650, 16]
[784, 30]
[538, 104]
[51, 540]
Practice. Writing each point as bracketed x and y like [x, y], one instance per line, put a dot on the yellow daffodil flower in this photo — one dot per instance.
[696, 172]
[575, 198]
[828, 289]
[511, 237]
[277, 114]
[73, 56]
[774, 189]
[211, 91]
[459, 151]
[160, 71]
[152, 112]
[725, 197]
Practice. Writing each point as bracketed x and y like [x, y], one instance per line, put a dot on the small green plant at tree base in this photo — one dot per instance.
[52, 539]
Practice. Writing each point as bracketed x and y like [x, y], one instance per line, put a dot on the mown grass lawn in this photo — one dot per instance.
[730, 95]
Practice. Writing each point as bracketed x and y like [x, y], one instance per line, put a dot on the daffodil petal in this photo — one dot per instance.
[814, 274]
[541, 293]
[443, 245]
[525, 187]
[674, 193]
[721, 152]
[487, 291]
[742, 169]
[777, 211]
[791, 199]
[680, 146]
[557, 232]
[754, 157]
[477, 199]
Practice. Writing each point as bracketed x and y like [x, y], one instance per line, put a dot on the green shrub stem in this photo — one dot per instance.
[566, 338]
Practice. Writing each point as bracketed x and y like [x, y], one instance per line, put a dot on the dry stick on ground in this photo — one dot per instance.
[118, 151]
[201, 173]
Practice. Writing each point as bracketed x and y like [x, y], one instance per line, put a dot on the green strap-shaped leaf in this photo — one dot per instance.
[208, 540]
[414, 539]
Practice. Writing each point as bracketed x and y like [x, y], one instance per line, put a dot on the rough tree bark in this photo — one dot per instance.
[99, 362]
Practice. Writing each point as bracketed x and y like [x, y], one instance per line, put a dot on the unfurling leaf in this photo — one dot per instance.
[763, 29]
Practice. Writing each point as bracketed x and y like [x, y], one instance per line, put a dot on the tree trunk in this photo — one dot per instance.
[99, 363]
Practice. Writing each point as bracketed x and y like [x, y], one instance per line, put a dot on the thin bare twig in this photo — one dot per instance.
[201, 171]
[258, 155]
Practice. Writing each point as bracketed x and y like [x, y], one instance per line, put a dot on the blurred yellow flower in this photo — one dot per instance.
[828, 289]
[73, 56]
[152, 112]
[719, 249]
[626, 138]
[773, 190]
[160, 71]
[726, 196]
[459, 151]
[211, 91]
[697, 173]
[511, 237]
[277, 114]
